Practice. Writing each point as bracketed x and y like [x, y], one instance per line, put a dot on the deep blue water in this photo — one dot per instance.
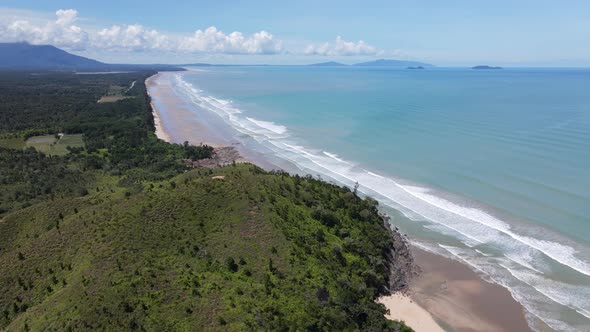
[489, 167]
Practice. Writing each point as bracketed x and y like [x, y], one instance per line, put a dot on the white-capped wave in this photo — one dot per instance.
[334, 156]
[275, 128]
[559, 252]
[375, 175]
[573, 296]
[259, 129]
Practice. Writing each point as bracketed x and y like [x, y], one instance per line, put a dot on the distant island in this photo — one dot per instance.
[328, 64]
[394, 63]
[378, 63]
[485, 67]
[197, 64]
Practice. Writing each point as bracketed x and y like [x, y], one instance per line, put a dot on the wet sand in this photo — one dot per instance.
[460, 300]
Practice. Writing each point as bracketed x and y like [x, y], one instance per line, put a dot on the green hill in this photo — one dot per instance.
[118, 235]
[254, 250]
[24, 56]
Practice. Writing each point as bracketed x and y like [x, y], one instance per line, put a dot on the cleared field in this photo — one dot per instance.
[115, 94]
[112, 99]
[50, 145]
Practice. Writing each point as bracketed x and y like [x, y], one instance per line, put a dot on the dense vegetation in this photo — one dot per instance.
[120, 235]
[118, 136]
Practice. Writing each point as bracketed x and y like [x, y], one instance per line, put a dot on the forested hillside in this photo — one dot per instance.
[117, 234]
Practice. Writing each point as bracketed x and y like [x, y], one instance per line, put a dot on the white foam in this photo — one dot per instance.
[518, 260]
[561, 253]
[275, 128]
[483, 253]
[259, 129]
[373, 174]
[576, 297]
[334, 156]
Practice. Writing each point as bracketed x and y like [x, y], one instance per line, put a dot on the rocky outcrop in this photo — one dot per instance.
[401, 265]
[222, 156]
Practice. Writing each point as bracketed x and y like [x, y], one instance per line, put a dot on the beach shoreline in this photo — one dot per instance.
[160, 132]
[459, 298]
[163, 99]
[447, 295]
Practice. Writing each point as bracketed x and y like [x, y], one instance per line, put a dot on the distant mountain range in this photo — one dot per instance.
[485, 67]
[393, 63]
[24, 56]
[328, 64]
[379, 63]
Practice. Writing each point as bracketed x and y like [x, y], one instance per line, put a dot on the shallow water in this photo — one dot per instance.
[488, 167]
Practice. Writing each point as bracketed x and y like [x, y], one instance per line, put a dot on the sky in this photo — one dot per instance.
[445, 33]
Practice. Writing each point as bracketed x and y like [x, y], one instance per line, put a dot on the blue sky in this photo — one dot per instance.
[452, 33]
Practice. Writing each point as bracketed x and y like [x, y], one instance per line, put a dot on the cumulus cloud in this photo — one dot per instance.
[131, 37]
[63, 32]
[341, 47]
[215, 41]
[66, 16]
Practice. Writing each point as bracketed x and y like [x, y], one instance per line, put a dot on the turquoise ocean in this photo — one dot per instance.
[488, 167]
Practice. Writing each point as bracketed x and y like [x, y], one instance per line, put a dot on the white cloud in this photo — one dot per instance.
[131, 37]
[341, 47]
[62, 32]
[215, 41]
[66, 16]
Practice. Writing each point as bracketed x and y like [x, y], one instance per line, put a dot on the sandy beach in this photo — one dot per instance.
[404, 308]
[456, 298]
[160, 132]
[446, 296]
[175, 122]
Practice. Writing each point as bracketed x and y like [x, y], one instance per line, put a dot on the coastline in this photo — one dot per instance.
[181, 125]
[174, 120]
[447, 295]
[160, 132]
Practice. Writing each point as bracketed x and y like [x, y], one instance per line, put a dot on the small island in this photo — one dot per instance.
[328, 64]
[485, 67]
[418, 67]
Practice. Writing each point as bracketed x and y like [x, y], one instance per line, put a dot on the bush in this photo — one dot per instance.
[231, 264]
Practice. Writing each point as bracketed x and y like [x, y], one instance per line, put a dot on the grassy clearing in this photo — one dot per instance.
[116, 93]
[50, 145]
[73, 141]
[112, 99]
